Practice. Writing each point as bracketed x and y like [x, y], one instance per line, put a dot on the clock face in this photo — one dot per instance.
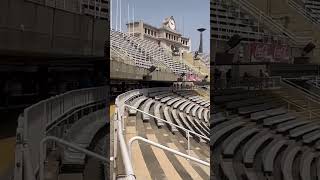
[172, 24]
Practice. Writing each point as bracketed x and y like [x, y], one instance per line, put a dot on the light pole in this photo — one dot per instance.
[201, 45]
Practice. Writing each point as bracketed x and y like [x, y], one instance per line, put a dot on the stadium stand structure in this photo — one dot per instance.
[265, 133]
[171, 125]
[143, 53]
[64, 137]
[293, 23]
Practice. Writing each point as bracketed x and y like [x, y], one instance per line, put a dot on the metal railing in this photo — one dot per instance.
[65, 143]
[308, 97]
[188, 132]
[119, 128]
[303, 12]
[139, 138]
[34, 121]
[254, 83]
[311, 95]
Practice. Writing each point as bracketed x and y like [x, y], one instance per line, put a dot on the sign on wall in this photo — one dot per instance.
[262, 52]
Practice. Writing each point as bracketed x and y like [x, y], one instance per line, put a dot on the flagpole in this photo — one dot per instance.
[117, 15]
[120, 16]
[128, 18]
[133, 19]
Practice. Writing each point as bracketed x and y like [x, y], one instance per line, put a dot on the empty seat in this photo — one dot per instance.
[206, 115]
[165, 99]
[283, 127]
[185, 122]
[278, 119]
[270, 154]
[169, 103]
[305, 164]
[200, 111]
[158, 97]
[201, 127]
[146, 109]
[267, 113]
[184, 105]
[217, 132]
[248, 102]
[256, 108]
[169, 119]
[136, 103]
[188, 109]
[228, 170]
[154, 94]
[253, 145]
[194, 126]
[237, 138]
[310, 137]
[177, 121]
[178, 103]
[157, 114]
[287, 161]
[194, 110]
[299, 131]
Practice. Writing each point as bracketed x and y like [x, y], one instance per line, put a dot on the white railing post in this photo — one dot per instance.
[188, 135]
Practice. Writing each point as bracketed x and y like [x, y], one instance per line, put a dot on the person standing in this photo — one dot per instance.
[229, 78]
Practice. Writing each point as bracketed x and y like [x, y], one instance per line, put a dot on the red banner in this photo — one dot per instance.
[261, 52]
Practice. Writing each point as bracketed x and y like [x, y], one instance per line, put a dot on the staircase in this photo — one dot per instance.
[252, 7]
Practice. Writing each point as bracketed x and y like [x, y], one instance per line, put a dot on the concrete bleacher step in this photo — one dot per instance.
[73, 176]
[161, 164]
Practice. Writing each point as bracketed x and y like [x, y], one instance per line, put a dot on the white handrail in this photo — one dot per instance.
[136, 138]
[71, 145]
[124, 151]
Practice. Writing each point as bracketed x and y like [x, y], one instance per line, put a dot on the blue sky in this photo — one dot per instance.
[190, 14]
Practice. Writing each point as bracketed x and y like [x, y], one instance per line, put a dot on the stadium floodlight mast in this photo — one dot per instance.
[201, 44]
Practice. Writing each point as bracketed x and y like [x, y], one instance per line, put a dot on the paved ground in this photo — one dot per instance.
[8, 125]
[7, 146]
